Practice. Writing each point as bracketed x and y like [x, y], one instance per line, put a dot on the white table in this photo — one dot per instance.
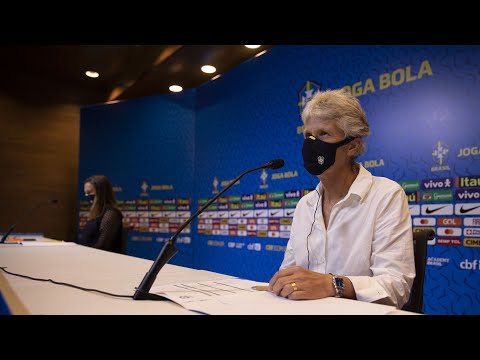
[89, 268]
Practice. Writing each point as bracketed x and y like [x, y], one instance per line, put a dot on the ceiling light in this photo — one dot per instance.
[253, 46]
[261, 53]
[92, 74]
[175, 88]
[209, 69]
[216, 77]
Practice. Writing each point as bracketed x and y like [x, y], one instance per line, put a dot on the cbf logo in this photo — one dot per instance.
[144, 188]
[215, 184]
[264, 177]
[304, 95]
[440, 155]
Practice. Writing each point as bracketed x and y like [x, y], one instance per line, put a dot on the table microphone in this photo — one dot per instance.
[169, 250]
[28, 212]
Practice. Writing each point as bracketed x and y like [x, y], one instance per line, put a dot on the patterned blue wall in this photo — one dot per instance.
[420, 101]
[146, 148]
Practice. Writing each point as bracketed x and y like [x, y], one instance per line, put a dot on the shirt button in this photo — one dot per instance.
[322, 260]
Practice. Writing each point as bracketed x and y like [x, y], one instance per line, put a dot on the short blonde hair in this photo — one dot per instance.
[342, 108]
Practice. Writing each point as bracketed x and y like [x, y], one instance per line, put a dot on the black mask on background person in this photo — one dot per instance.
[319, 155]
[90, 198]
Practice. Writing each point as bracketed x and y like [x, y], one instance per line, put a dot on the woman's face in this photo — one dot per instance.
[328, 132]
[325, 130]
[89, 189]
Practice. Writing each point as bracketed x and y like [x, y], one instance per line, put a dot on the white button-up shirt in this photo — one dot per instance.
[368, 239]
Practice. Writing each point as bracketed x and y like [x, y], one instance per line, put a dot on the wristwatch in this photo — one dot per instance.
[338, 284]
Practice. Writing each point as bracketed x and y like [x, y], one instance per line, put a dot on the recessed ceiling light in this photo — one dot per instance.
[175, 88]
[92, 74]
[209, 69]
[253, 46]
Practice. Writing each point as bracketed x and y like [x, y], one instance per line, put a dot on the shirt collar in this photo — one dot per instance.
[360, 186]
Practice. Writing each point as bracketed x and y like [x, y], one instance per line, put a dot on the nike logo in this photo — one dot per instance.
[260, 213]
[274, 213]
[463, 211]
[290, 212]
[233, 214]
[429, 211]
[245, 213]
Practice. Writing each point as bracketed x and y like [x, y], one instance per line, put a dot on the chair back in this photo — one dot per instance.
[123, 246]
[420, 240]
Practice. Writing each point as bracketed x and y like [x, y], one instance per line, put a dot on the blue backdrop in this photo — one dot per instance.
[168, 154]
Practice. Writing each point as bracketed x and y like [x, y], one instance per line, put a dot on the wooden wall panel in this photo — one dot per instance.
[39, 161]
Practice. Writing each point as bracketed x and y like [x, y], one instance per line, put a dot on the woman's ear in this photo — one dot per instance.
[354, 147]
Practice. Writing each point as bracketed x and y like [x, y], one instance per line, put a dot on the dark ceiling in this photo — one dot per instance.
[56, 73]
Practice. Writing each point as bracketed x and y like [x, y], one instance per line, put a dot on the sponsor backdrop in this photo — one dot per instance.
[167, 155]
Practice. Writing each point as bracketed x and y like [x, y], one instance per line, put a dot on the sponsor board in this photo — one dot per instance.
[430, 221]
[414, 210]
[471, 242]
[472, 232]
[437, 209]
[467, 209]
[469, 264]
[446, 231]
[437, 261]
[437, 196]
[471, 221]
[449, 221]
[449, 241]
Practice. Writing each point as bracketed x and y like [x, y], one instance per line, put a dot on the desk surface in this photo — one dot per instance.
[89, 268]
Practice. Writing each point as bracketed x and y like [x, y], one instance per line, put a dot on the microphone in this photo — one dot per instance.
[28, 212]
[275, 164]
[169, 250]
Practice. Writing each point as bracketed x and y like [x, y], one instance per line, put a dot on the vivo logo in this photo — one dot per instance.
[261, 204]
[467, 194]
[443, 183]
[293, 194]
[247, 197]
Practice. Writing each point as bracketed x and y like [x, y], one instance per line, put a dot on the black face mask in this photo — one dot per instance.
[319, 155]
[90, 198]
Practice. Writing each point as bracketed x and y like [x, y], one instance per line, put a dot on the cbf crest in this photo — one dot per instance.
[440, 153]
[308, 90]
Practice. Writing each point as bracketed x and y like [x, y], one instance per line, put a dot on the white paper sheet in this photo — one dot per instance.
[236, 297]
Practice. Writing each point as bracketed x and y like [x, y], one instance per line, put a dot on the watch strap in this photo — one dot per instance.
[338, 284]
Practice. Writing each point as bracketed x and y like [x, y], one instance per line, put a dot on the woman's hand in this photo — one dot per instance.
[298, 283]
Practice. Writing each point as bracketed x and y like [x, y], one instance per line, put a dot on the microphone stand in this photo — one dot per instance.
[169, 249]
